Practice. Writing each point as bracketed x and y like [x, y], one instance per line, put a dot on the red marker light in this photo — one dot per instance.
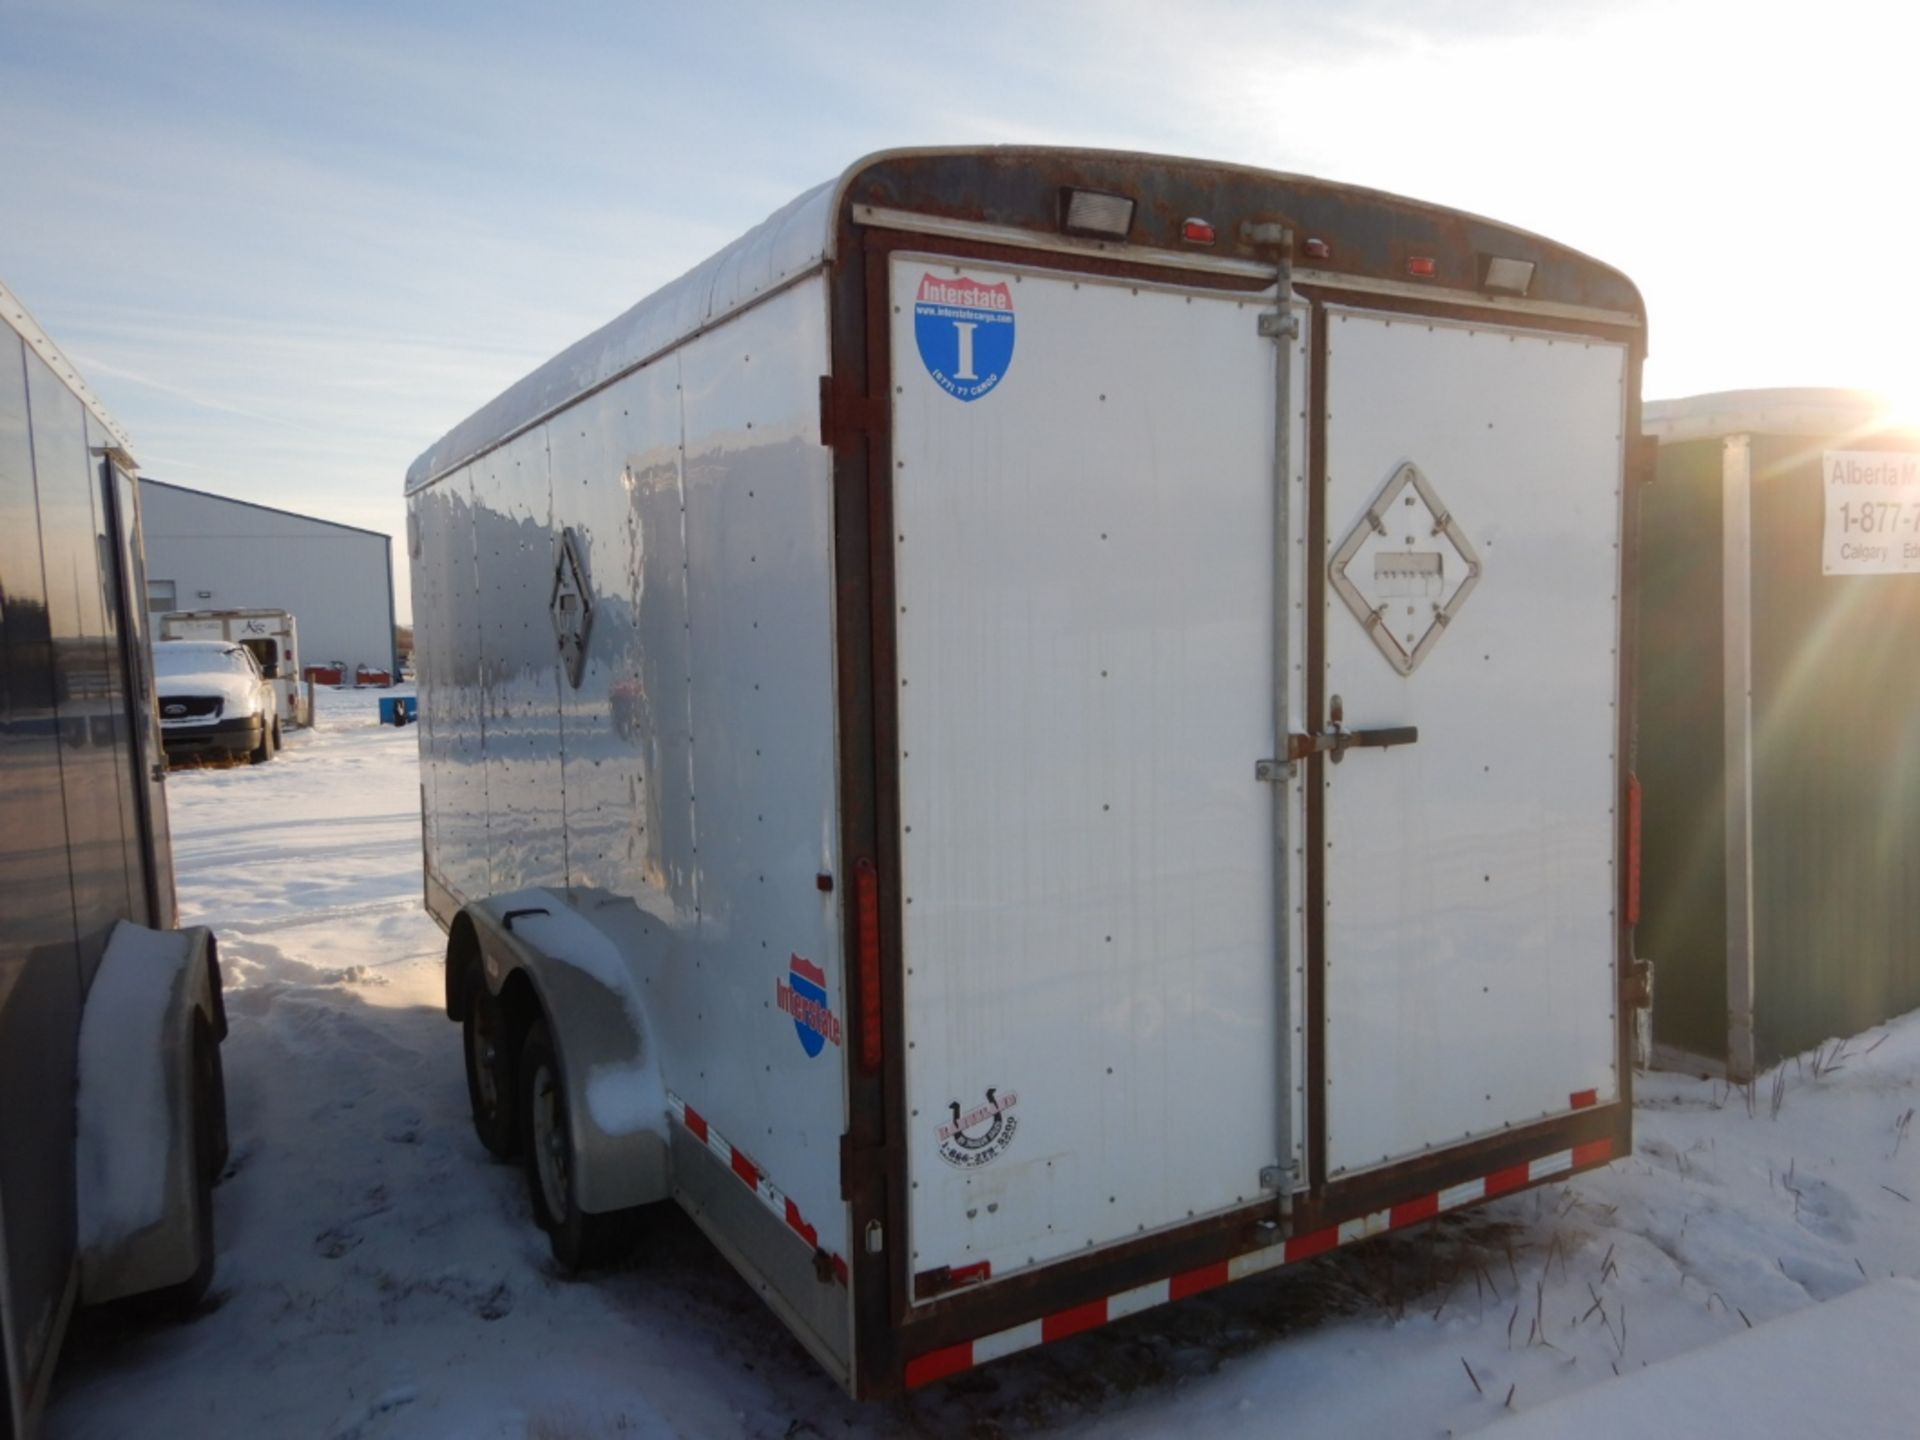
[1423, 267]
[1197, 232]
[1318, 249]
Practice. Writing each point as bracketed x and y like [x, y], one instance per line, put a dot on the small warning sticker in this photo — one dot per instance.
[964, 328]
[976, 1137]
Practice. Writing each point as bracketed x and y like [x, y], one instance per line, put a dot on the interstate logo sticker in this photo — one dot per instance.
[964, 329]
[803, 995]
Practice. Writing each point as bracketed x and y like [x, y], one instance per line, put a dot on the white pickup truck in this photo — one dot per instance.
[272, 636]
[213, 698]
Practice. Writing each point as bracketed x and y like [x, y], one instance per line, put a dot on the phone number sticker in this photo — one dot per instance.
[1873, 512]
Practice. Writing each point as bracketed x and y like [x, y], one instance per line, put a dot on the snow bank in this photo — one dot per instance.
[1845, 1368]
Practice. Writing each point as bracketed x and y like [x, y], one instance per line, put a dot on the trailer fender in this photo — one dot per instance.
[575, 957]
[154, 998]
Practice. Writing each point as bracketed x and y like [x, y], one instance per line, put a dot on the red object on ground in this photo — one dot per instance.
[365, 675]
[334, 674]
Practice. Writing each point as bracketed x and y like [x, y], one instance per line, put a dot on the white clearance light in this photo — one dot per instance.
[1512, 277]
[1091, 213]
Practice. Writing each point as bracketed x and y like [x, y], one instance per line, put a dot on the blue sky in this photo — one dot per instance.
[291, 244]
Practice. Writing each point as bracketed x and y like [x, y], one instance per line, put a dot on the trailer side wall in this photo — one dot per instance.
[77, 853]
[1836, 791]
[691, 771]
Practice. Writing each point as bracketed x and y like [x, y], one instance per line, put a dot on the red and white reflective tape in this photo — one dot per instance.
[952, 1359]
[753, 1177]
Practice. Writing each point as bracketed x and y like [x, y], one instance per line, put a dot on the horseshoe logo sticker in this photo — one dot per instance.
[976, 1137]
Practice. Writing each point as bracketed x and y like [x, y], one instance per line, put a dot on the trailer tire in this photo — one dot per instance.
[580, 1241]
[209, 1144]
[485, 1038]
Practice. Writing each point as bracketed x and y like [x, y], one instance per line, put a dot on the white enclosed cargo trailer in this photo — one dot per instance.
[1041, 733]
[113, 1127]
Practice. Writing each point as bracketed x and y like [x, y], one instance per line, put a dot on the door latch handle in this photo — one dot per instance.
[1337, 741]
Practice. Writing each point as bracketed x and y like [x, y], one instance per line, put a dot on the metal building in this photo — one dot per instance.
[1779, 721]
[211, 552]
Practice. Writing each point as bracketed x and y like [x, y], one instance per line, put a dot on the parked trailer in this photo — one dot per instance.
[112, 1121]
[272, 635]
[1782, 562]
[1042, 732]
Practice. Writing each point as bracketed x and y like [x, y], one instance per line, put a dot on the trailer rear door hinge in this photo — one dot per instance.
[857, 1161]
[843, 416]
[1643, 459]
[1639, 986]
[947, 1278]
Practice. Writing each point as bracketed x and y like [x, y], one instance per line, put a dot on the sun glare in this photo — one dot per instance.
[1903, 402]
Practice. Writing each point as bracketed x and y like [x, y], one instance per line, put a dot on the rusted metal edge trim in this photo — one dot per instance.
[882, 218]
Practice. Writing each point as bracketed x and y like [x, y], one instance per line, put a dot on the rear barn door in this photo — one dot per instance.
[1472, 525]
[1085, 551]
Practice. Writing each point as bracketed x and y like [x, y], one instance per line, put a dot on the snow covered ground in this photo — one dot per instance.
[378, 1277]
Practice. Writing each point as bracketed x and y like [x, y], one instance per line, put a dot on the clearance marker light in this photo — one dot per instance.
[1318, 249]
[1197, 232]
[1091, 213]
[1511, 277]
[1422, 267]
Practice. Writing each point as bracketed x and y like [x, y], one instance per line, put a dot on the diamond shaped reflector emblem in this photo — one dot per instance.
[572, 607]
[1406, 569]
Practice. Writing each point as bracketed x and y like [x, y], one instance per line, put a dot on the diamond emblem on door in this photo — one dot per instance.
[572, 607]
[1406, 568]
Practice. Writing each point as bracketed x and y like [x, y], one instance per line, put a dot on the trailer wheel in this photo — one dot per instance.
[489, 1072]
[209, 1140]
[580, 1241]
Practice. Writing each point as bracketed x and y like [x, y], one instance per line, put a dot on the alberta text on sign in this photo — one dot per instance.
[1873, 512]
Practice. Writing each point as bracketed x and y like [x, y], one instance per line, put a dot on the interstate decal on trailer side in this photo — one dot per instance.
[803, 995]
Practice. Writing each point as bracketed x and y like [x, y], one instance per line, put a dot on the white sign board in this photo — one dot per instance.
[1873, 512]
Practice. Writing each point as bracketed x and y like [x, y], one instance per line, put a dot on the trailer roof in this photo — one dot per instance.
[1008, 186]
[16, 314]
[1815, 412]
[793, 241]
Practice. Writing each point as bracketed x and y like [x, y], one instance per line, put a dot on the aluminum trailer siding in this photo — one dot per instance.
[84, 850]
[1036, 768]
